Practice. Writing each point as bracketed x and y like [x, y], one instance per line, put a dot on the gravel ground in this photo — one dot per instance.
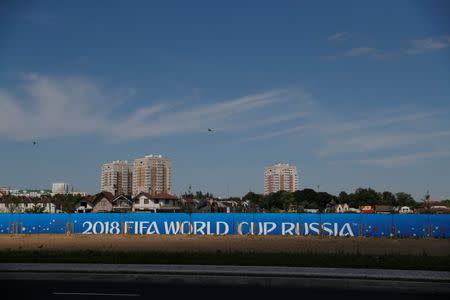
[378, 246]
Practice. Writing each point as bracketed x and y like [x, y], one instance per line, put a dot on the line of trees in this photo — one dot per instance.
[301, 199]
[310, 199]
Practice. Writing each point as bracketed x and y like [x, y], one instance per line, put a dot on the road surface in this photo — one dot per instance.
[42, 289]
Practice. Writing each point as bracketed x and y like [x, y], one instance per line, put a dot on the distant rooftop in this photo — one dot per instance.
[154, 155]
[282, 165]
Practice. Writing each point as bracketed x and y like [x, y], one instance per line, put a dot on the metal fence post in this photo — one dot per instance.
[69, 228]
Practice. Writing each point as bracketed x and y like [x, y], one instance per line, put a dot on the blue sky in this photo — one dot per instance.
[353, 93]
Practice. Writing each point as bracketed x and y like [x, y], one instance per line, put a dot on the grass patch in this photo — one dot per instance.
[337, 260]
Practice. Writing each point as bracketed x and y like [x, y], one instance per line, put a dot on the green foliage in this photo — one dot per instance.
[343, 197]
[202, 196]
[310, 199]
[404, 199]
[253, 198]
[199, 195]
[446, 203]
[67, 201]
[36, 209]
[12, 203]
[364, 196]
[387, 198]
[274, 202]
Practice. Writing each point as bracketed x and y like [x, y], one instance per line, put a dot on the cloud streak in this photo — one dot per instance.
[335, 138]
[283, 132]
[403, 160]
[361, 51]
[53, 108]
[416, 47]
[339, 36]
[378, 141]
[427, 45]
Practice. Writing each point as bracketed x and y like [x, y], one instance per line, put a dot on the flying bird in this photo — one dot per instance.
[34, 142]
[209, 129]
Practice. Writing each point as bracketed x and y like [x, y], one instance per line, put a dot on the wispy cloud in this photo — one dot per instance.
[283, 132]
[378, 141]
[363, 51]
[339, 36]
[50, 107]
[360, 51]
[266, 121]
[427, 45]
[346, 126]
[199, 118]
[344, 133]
[53, 108]
[416, 47]
[403, 160]
[374, 133]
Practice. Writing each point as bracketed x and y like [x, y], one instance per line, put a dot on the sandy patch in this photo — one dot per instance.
[433, 247]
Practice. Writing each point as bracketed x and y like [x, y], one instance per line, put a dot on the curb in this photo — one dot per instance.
[375, 274]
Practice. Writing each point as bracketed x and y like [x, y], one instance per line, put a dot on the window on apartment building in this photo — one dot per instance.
[146, 201]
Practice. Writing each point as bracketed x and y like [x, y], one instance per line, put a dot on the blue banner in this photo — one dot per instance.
[337, 225]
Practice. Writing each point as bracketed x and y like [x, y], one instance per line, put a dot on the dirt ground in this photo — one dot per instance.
[378, 246]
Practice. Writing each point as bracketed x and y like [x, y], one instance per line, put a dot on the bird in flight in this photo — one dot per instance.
[209, 129]
[34, 143]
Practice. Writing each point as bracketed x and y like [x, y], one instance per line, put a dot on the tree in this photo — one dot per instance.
[269, 201]
[253, 198]
[324, 199]
[404, 199]
[343, 197]
[67, 201]
[427, 203]
[446, 202]
[199, 195]
[305, 198]
[387, 198]
[188, 194]
[299, 198]
[36, 209]
[12, 203]
[364, 196]
[286, 199]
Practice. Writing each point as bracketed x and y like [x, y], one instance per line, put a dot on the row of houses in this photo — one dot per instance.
[107, 202]
[387, 209]
[43, 204]
[164, 202]
[371, 209]
[159, 202]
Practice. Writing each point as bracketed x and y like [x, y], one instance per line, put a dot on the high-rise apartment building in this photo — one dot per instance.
[117, 177]
[152, 174]
[280, 177]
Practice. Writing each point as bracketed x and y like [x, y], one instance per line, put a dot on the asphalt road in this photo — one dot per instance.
[42, 289]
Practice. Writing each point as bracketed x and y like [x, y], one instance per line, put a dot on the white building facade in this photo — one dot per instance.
[117, 177]
[23, 204]
[280, 177]
[60, 188]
